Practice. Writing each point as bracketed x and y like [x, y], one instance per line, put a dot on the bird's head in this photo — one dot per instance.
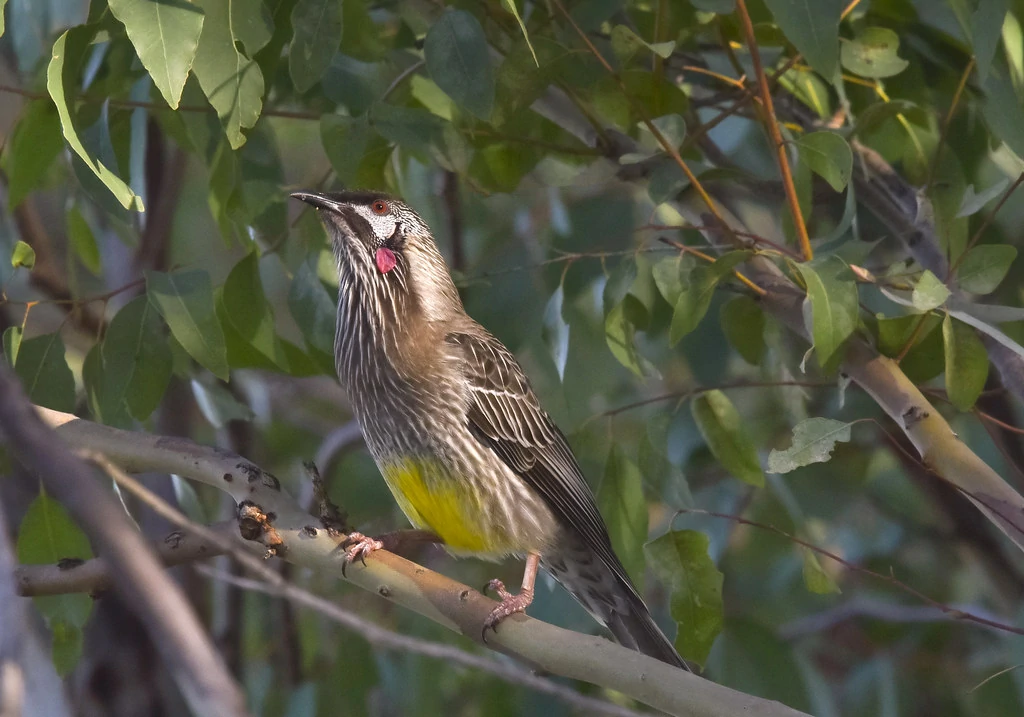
[386, 254]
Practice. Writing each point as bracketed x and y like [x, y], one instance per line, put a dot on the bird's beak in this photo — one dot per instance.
[317, 200]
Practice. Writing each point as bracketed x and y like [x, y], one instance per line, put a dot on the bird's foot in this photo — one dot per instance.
[358, 546]
[510, 604]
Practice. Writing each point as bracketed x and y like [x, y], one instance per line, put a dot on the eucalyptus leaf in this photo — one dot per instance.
[720, 424]
[929, 293]
[966, 363]
[829, 156]
[458, 59]
[984, 267]
[813, 27]
[813, 442]
[873, 54]
[316, 33]
[681, 560]
[556, 331]
[185, 300]
[833, 297]
[620, 499]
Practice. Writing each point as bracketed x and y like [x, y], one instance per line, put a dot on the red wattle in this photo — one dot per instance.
[385, 260]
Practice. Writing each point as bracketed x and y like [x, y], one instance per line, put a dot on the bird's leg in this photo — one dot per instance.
[511, 604]
[358, 546]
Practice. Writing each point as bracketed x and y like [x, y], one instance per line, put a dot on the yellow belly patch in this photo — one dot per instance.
[440, 504]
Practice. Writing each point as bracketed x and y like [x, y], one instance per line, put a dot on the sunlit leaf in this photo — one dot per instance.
[185, 300]
[165, 36]
[966, 363]
[720, 424]
[23, 256]
[230, 78]
[873, 53]
[984, 267]
[832, 292]
[695, 297]
[458, 59]
[69, 53]
[929, 293]
[829, 156]
[681, 561]
[813, 442]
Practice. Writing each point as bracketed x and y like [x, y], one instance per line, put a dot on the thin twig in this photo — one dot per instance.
[951, 612]
[772, 125]
[272, 583]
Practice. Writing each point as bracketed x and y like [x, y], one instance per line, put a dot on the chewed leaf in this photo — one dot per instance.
[813, 442]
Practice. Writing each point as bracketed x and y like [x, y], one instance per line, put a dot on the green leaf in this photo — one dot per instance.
[316, 28]
[248, 310]
[12, 344]
[23, 255]
[832, 291]
[720, 424]
[69, 53]
[45, 374]
[185, 300]
[556, 332]
[813, 442]
[986, 29]
[873, 54]
[165, 34]
[2, 27]
[743, 322]
[681, 560]
[966, 363]
[626, 43]
[620, 334]
[37, 141]
[815, 578]
[217, 404]
[984, 267]
[929, 293]
[458, 60]
[829, 156]
[231, 79]
[83, 241]
[695, 297]
[813, 27]
[345, 141]
[136, 365]
[670, 276]
[510, 5]
[313, 309]
[624, 509]
[48, 536]
[974, 202]
[924, 361]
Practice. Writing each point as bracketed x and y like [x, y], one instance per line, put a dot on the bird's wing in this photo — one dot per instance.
[505, 414]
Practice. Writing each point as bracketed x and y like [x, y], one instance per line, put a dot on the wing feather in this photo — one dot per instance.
[506, 415]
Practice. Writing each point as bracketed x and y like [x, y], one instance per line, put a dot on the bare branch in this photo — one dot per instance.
[269, 515]
[138, 577]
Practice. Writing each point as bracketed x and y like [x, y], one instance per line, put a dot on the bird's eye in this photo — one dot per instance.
[379, 207]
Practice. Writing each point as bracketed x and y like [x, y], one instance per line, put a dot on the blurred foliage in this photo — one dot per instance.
[160, 279]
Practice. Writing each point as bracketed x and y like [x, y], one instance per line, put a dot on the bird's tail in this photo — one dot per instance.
[609, 596]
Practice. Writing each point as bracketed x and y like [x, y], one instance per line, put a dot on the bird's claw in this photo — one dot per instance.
[510, 604]
[358, 546]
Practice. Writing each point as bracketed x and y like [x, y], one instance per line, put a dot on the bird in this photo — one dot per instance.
[455, 427]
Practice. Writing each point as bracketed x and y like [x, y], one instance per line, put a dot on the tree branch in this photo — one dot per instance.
[138, 577]
[269, 515]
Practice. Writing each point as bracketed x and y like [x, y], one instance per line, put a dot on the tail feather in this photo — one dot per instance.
[607, 594]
